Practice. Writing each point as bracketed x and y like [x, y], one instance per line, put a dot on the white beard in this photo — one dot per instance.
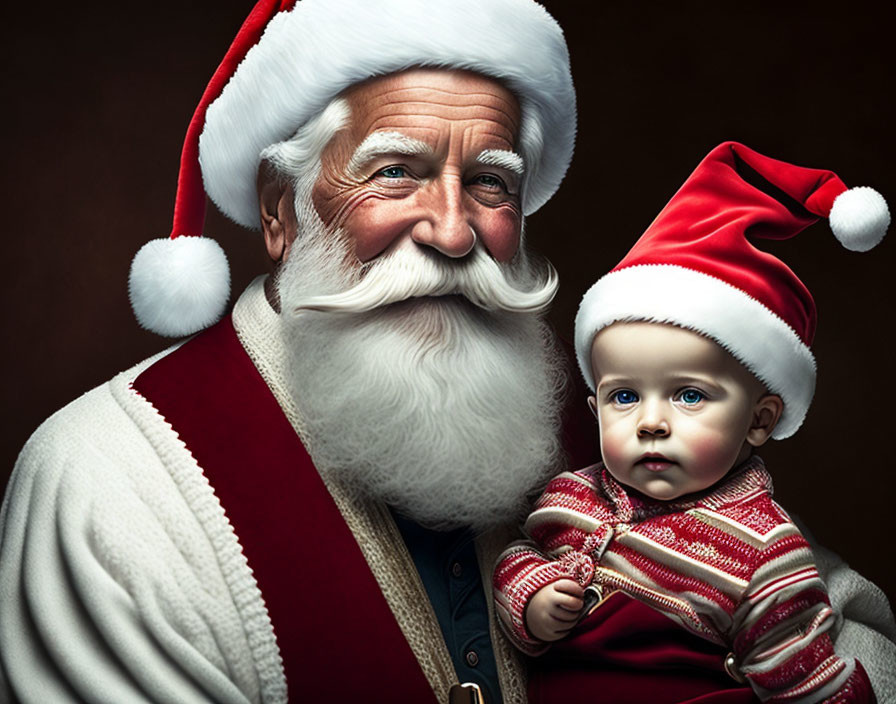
[446, 411]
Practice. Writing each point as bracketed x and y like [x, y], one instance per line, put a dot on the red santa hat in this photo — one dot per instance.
[287, 62]
[697, 268]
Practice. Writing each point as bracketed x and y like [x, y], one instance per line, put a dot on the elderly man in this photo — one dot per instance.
[305, 498]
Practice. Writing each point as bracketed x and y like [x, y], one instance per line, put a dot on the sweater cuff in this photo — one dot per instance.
[513, 599]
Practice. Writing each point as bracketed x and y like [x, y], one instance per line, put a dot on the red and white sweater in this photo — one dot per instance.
[729, 564]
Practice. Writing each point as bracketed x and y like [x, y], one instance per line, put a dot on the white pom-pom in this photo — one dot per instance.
[179, 286]
[859, 218]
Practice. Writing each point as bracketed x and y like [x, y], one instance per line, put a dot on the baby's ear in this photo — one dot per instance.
[592, 404]
[766, 414]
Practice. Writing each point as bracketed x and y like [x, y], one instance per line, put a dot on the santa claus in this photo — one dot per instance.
[303, 498]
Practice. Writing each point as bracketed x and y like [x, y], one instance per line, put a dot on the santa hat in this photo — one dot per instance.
[696, 267]
[287, 62]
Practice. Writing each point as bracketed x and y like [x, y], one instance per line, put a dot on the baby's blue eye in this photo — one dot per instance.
[691, 397]
[393, 172]
[624, 397]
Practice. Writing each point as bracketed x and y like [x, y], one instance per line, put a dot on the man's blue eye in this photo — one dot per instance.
[691, 397]
[624, 397]
[490, 181]
[393, 172]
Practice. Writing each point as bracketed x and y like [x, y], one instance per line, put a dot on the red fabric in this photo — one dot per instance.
[338, 639]
[857, 688]
[734, 195]
[189, 204]
[628, 653]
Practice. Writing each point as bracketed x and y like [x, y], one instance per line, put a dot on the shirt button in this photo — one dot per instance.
[472, 658]
[457, 569]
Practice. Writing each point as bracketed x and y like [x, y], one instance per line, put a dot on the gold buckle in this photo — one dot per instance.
[733, 670]
[595, 595]
[466, 693]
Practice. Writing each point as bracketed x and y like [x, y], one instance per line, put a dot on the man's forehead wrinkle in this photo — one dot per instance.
[424, 109]
[466, 141]
[446, 96]
[499, 135]
[406, 124]
[473, 140]
[420, 108]
[415, 123]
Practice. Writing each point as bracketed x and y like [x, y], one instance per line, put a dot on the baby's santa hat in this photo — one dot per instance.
[695, 267]
[287, 62]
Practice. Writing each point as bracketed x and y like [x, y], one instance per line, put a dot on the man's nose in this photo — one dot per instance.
[444, 225]
[652, 422]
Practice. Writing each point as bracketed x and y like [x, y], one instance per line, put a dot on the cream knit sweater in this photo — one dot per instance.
[122, 581]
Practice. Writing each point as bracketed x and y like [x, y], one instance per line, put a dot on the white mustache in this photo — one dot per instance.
[406, 274]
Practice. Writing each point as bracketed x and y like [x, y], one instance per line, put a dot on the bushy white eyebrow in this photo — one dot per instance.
[381, 143]
[504, 159]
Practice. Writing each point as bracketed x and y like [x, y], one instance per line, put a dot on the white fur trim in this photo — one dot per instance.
[750, 331]
[179, 286]
[859, 218]
[310, 54]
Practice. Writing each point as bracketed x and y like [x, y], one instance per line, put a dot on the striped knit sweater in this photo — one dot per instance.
[729, 565]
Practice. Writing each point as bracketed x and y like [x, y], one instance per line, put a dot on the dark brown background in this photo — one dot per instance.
[97, 98]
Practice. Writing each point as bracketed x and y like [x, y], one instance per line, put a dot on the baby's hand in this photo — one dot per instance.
[554, 610]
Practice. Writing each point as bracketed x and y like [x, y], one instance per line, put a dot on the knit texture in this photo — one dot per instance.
[728, 565]
[119, 572]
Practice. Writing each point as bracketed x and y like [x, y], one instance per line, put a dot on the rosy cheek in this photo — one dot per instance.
[612, 444]
[499, 230]
[374, 226]
[370, 221]
[714, 449]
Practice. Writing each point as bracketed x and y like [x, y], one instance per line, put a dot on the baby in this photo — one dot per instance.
[696, 347]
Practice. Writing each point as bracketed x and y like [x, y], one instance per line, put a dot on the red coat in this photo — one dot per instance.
[214, 398]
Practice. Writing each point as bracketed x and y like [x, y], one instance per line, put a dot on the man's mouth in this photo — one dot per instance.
[447, 299]
[654, 462]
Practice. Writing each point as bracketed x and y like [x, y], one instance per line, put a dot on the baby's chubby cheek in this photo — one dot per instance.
[713, 453]
[613, 449]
